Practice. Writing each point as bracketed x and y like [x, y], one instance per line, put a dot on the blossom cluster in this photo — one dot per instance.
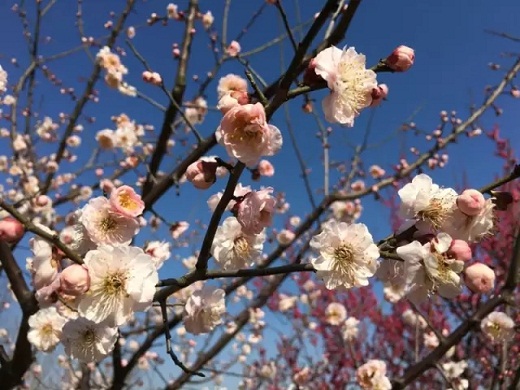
[82, 306]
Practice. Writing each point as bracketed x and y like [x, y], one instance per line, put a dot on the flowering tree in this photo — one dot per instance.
[94, 229]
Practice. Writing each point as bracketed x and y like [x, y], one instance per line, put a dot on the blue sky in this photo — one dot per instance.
[451, 69]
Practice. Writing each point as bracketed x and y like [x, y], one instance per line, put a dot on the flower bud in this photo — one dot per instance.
[401, 59]
[74, 280]
[471, 202]
[460, 250]
[378, 94]
[479, 278]
[11, 230]
[265, 168]
[202, 174]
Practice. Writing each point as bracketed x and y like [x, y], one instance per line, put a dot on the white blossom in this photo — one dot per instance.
[233, 249]
[498, 327]
[204, 309]
[347, 255]
[427, 203]
[122, 280]
[45, 329]
[87, 341]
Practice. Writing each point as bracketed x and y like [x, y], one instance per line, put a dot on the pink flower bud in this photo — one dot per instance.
[471, 202]
[202, 174]
[378, 94]
[74, 280]
[460, 250]
[479, 278]
[265, 168]
[11, 230]
[401, 59]
[233, 49]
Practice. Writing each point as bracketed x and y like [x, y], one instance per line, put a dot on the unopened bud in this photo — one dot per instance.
[479, 278]
[401, 59]
[74, 280]
[471, 202]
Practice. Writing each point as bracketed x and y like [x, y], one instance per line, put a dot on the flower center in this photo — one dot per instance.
[115, 283]
[107, 224]
[126, 201]
[89, 337]
[47, 330]
[344, 257]
[434, 213]
[241, 248]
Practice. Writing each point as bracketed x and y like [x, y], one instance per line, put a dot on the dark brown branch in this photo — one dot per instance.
[177, 95]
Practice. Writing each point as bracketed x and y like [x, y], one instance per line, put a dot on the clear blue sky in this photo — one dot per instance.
[450, 72]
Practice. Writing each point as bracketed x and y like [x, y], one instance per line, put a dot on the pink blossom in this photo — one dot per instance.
[74, 280]
[11, 230]
[265, 168]
[246, 135]
[401, 59]
[255, 211]
[471, 202]
[233, 49]
[126, 201]
[202, 173]
[231, 83]
[460, 250]
[377, 172]
[479, 278]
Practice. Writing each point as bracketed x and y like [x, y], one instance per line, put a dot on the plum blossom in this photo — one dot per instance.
[246, 135]
[87, 341]
[207, 20]
[122, 280]
[45, 329]
[347, 255]
[429, 268]
[372, 376]
[234, 86]
[350, 328]
[240, 191]
[126, 201]
[471, 228]
[106, 226]
[335, 313]
[235, 249]
[427, 203]
[498, 327]
[233, 49]
[255, 211]
[351, 84]
[453, 371]
[159, 251]
[204, 310]
[44, 266]
[265, 168]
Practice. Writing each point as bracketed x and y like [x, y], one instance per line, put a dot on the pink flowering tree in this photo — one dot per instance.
[115, 278]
